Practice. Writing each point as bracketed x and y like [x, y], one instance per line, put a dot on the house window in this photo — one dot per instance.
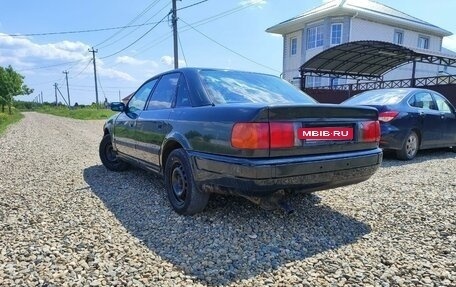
[398, 37]
[423, 42]
[293, 46]
[314, 37]
[336, 34]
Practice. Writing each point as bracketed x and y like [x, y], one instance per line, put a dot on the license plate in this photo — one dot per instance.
[326, 133]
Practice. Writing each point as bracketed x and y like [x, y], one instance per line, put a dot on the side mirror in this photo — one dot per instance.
[118, 107]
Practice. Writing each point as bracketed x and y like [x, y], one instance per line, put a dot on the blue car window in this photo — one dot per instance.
[183, 94]
[424, 100]
[442, 104]
[164, 93]
[378, 97]
[138, 101]
[226, 87]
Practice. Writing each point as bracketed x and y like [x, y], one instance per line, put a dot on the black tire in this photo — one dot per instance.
[410, 147]
[183, 194]
[109, 157]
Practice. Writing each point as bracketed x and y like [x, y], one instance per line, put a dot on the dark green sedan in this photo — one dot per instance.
[248, 134]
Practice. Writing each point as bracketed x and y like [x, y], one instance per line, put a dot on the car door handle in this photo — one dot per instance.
[422, 114]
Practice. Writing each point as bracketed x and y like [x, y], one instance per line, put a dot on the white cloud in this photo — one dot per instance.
[114, 74]
[450, 42]
[135, 62]
[23, 48]
[169, 61]
[258, 3]
[23, 53]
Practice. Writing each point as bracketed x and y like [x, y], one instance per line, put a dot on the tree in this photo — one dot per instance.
[11, 85]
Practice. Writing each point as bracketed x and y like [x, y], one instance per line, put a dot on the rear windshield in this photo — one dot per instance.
[378, 97]
[226, 87]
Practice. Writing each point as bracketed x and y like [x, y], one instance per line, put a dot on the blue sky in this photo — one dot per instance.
[238, 25]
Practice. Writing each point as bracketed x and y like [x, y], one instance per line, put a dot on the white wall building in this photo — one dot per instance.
[342, 21]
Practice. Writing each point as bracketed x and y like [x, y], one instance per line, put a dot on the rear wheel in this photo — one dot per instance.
[410, 147]
[183, 194]
[109, 157]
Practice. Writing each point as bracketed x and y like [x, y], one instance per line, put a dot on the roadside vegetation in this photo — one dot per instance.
[6, 119]
[11, 85]
[81, 113]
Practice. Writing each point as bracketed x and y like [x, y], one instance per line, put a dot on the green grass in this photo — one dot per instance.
[88, 113]
[6, 120]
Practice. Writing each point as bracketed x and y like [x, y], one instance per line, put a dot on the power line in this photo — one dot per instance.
[83, 70]
[77, 31]
[150, 18]
[102, 90]
[150, 6]
[229, 49]
[215, 17]
[134, 42]
[185, 7]
[50, 66]
[182, 50]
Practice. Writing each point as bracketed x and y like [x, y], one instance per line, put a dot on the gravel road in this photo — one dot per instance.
[66, 221]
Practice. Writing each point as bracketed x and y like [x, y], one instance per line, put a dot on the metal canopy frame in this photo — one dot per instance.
[367, 60]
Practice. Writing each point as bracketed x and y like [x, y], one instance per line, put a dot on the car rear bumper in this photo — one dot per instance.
[392, 137]
[261, 177]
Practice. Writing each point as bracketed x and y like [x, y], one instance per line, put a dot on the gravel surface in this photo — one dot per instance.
[66, 221]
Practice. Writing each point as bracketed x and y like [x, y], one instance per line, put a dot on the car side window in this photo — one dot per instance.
[138, 101]
[423, 100]
[183, 93]
[442, 104]
[164, 93]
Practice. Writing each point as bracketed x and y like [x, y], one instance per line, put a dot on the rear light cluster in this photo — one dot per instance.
[387, 116]
[370, 131]
[263, 135]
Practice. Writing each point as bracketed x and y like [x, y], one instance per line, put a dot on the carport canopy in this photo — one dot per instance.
[368, 60]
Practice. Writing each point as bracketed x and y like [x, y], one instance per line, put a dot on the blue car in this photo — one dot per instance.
[411, 119]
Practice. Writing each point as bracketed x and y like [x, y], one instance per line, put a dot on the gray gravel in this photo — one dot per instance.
[66, 221]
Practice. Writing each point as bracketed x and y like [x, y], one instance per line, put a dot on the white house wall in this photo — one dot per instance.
[292, 63]
[368, 30]
[356, 29]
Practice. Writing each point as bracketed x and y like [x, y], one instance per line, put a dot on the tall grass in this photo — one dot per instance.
[7, 119]
[86, 113]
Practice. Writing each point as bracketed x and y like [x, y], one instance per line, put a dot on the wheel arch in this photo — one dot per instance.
[172, 142]
[418, 133]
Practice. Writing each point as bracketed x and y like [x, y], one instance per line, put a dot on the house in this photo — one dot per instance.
[341, 21]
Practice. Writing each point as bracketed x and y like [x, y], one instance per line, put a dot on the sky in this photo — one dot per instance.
[214, 33]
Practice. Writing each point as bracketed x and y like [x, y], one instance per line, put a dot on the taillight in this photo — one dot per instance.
[282, 135]
[250, 135]
[370, 131]
[262, 135]
[387, 116]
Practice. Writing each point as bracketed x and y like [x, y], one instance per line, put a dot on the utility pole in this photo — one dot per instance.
[176, 51]
[93, 51]
[119, 97]
[42, 100]
[55, 89]
[68, 88]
